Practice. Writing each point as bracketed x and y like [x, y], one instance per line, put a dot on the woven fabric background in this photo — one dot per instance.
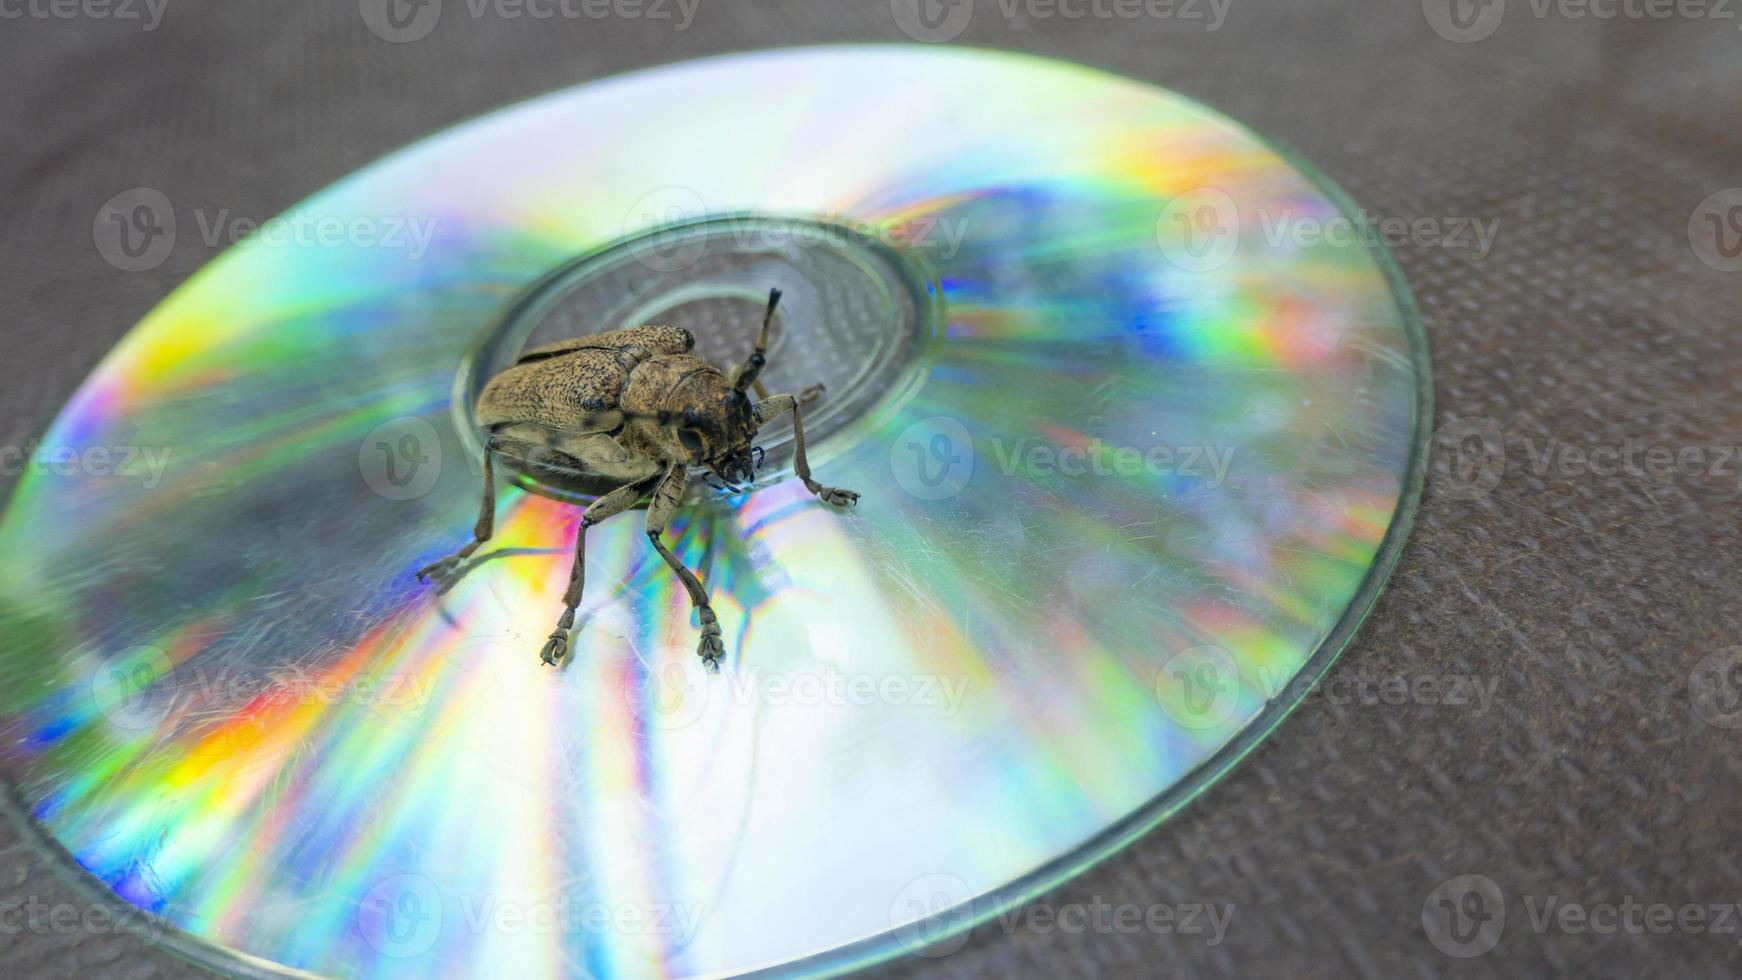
[1602, 607]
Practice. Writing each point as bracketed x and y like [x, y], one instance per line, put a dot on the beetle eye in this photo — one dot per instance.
[691, 440]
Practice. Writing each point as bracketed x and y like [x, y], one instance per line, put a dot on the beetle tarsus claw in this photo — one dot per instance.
[712, 649]
[555, 648]
[439, 571]
[835, 496]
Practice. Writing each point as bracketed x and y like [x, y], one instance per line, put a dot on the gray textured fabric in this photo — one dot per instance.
[1601, 770]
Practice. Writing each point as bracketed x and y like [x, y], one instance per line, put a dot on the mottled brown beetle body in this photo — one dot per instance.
[629, 412]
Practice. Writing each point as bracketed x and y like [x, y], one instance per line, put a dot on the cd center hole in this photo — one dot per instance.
[850, 319]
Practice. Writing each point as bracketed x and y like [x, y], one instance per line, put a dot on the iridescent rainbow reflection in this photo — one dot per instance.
[231, 703]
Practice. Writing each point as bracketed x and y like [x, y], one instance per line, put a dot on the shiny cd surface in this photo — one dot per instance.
[1138, 435]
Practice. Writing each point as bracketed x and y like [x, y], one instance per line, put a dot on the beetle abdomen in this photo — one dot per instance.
[566, 392]
[576, 385]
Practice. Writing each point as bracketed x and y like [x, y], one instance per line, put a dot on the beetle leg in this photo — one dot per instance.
[610, 505]
[442, 571]
[779, 405]
[659, 514]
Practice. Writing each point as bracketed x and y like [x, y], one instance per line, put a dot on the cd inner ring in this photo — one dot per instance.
[858, 316]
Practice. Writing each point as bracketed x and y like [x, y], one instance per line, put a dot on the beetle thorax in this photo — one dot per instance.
[711, 422]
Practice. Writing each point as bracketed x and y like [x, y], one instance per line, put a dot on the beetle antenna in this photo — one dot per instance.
[753, 364]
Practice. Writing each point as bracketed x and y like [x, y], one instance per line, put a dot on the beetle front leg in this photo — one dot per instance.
[610, 505]
[774, 408]
[659, 514]
[443, 571]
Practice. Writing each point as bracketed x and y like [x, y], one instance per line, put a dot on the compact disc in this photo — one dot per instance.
[1135, 407]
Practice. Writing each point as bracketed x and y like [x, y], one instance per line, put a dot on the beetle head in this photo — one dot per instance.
[716, 432]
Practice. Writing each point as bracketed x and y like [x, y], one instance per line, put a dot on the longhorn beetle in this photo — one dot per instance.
[632, 409]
